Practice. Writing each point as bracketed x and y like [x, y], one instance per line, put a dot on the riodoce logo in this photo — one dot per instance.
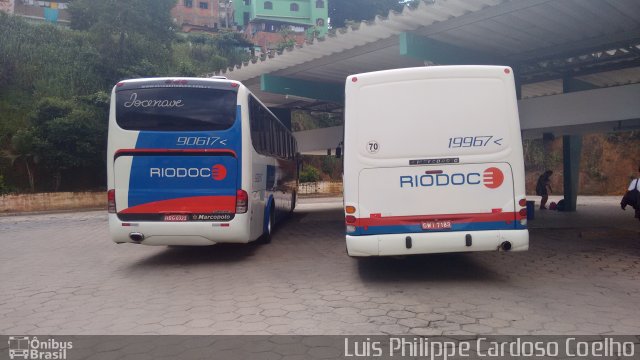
[163, 103]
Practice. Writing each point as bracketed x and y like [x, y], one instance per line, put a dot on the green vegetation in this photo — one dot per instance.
[306, 120]
[55, 84]
[4, 189]
[288, 40]
[309, 174]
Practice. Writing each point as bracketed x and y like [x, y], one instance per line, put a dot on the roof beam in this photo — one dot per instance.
[426, 49]
[554, 74]
[570, 84]
[481, 15]
[601, 43]
[606, 105]
[302, 88]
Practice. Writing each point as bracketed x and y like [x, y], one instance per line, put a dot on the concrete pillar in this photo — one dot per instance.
[571, 149]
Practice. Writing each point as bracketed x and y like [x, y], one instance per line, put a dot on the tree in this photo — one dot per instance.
[341, 11]
[198, 54]
[309, 174]
[24, 150]
[65, 134]
[133, 37]
[288, 40]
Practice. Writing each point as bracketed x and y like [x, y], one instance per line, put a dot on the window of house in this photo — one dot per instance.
[204, 5]
[247, 2]
[188, 3]
[294, 7]
[320, 4]
[268, 5]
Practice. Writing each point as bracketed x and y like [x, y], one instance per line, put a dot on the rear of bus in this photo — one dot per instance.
[175, 163]
[433, 162]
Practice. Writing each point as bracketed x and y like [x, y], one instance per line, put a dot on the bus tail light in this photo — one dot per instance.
[350, 209]
[522, 214]
[111, 201]
[350, 219]
[242, 202]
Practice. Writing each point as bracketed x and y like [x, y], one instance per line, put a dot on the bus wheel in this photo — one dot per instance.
[294, 199]
[266, 237]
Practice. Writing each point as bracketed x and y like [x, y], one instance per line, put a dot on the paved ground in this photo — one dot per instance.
[60, 274]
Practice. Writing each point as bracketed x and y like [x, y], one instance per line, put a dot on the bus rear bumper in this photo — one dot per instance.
[430, 243]
[178, 234]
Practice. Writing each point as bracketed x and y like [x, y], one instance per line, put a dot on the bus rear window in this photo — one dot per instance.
[175, 109]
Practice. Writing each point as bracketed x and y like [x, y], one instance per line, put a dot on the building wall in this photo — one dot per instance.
[312, 14]
[270, 40]
[50, 11]
[194, 17]
[7, 6]
[52, 201]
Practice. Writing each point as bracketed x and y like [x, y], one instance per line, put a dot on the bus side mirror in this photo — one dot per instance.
[338, 152]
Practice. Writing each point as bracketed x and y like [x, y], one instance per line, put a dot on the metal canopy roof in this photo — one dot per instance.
[595, 41]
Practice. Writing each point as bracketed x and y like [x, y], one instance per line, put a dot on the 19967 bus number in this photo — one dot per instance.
[472, 141]
[200, 141]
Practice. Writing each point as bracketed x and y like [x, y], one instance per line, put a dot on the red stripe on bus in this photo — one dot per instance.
[196, 204]
[417, 219]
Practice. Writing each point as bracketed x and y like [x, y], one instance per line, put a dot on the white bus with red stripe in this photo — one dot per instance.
[195, 161]
[433, 162]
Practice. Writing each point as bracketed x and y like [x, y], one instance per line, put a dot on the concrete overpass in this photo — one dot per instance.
[577, 64]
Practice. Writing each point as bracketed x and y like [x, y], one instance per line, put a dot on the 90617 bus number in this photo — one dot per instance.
[200, 141]
[472, 141]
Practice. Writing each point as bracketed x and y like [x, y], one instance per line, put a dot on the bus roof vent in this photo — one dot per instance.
[219, 77]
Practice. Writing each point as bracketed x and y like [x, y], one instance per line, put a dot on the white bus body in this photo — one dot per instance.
[195, 161]
[433, 162]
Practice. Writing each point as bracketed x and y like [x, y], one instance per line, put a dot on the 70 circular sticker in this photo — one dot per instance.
[373, 146]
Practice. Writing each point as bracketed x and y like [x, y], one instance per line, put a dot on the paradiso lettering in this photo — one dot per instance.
[163, 103]
[491, 178]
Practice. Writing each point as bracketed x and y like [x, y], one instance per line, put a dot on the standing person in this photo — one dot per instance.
[543, 188]
[632, 196]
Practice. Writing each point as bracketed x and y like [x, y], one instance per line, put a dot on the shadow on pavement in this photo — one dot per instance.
[420, 268]
[194, 255]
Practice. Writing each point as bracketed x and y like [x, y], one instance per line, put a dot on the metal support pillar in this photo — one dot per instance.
[571, 149]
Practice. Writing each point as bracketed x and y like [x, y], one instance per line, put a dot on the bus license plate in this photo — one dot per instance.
[436, 225]
[175, 217]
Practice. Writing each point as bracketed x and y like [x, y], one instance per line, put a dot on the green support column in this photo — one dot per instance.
[571, 149]
[303, 88]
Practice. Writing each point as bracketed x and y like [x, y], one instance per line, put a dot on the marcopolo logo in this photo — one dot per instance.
[492, 178]
[217, 172]
[24, 347]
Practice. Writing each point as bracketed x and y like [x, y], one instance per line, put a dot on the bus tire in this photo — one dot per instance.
[294, 199]
[266, 237]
